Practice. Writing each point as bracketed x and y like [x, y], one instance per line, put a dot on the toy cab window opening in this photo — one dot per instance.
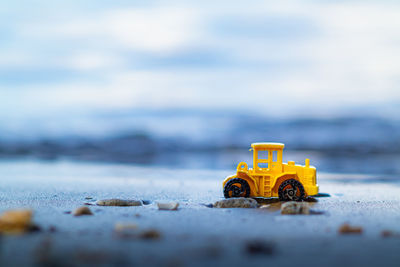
[263, 155]
[263, 165]
[274, 156]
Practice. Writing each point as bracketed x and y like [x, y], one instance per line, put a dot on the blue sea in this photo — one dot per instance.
[204, 139]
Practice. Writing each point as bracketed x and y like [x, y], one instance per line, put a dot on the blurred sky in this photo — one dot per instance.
[271, 57]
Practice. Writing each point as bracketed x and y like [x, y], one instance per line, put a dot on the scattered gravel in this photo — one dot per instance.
[236, 203]
[150, 234]
[260, 247]
[387, 233]
[348, 229]
[82, 211]
[293, 208]
[125, 230]
[130, 231]
[119, 202]
[17, 222]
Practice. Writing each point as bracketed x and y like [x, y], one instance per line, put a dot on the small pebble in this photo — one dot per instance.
[34, 228]
[17, 222]
[293, 208]
[119, 227]
[348, 229]
[260, 247]
[119, 202]
[389, 233]
[236, 203]
[82, 211]
[129, 230]
[150, 234]
[168, 206]
[126, 230]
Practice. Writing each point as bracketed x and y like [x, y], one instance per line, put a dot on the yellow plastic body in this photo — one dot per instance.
[269, 172]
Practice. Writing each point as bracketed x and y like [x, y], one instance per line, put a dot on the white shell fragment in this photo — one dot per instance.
[168, 206]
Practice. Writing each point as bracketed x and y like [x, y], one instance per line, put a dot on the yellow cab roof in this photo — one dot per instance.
[265, 145]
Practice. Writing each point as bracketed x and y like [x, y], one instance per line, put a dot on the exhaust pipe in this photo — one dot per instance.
[307, 163]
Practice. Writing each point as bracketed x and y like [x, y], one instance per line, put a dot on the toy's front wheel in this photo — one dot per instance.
[236, 188]
[291, 190]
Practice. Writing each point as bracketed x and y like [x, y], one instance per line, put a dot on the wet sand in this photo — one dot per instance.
[194, 235]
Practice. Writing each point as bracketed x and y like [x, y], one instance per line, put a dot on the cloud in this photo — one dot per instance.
[87, 60]
[270, 57]
[147, 29]
[156, 30]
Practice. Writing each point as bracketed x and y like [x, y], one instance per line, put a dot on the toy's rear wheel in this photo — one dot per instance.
[236, 188]
[291, 190]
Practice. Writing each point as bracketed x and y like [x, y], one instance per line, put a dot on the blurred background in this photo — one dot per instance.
[190, 84]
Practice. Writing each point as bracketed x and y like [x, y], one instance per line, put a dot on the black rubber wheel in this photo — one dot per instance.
[291, 190]
[236, 188]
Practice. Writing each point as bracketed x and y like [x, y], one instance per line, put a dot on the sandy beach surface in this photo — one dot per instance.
[194, 235]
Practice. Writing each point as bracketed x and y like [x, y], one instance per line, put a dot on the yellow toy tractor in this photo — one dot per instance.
[269, 177]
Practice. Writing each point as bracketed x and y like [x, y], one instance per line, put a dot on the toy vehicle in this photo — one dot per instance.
[269, 177]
